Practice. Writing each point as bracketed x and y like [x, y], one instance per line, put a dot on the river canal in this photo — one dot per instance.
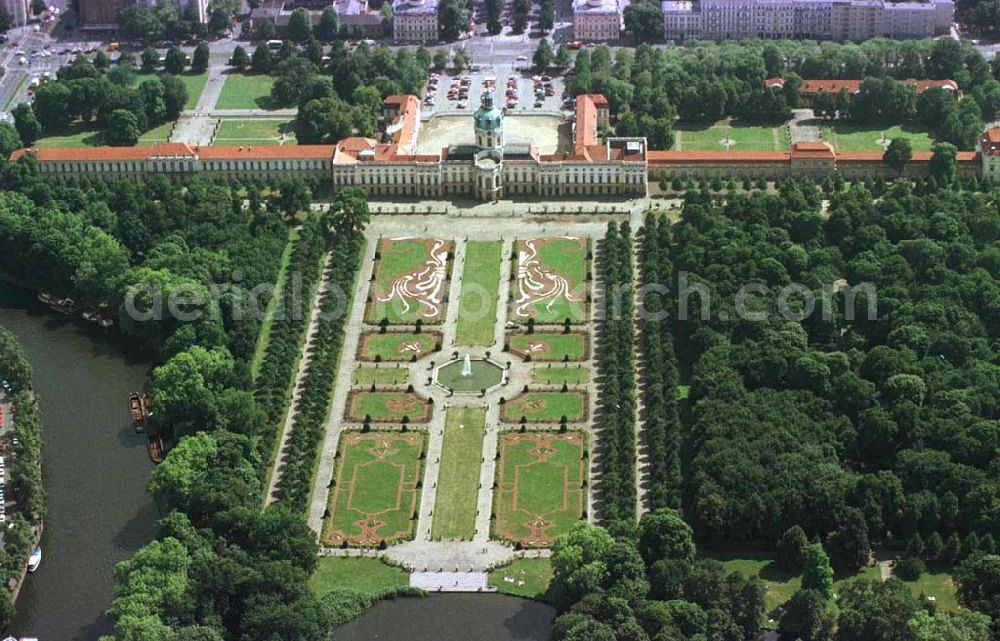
[95, 469]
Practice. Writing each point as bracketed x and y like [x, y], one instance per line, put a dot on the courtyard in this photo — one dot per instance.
[547, 132]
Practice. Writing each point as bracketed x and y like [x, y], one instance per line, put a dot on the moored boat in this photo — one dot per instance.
[147, 406]
[35, 560]
[66, 306]
[135, 410]
[156, 450]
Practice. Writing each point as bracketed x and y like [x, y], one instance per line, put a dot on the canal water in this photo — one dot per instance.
[95, 469]
[452, 617]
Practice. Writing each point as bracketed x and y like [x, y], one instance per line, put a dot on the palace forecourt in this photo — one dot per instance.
[490, 169]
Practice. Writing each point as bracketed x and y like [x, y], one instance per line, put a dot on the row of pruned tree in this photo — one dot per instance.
[661, 417]
[616, 360]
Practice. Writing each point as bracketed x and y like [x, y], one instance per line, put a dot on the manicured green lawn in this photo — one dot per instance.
[375, 493]
[477, 312]
[458, 480]
[546, 407]
[938, 585]
[534, 574]
[388, 407]
[157, 134]
[76, 135]
[410, 281]
[246, 91]
[551, 280]
[397, 346]
[845, 137]
[780, 585]
[543, 346]
[540, 491]
[560, 375]
[194, 83]
[244, 131]
[365, 376]
[363, 575]
[264, 337]
[701, 137]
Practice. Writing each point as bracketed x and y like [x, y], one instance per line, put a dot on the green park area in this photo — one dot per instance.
[396, 346]
[730, 136]
[194, 85]
[846, 137]
[780, 585]
[477, 311]
[375, 492]
[370, 576]
[550, 346]
[254, 131]
[246, 91]
[367, 376]
[411, 278]
[157, 134]
[541, 493]
[458, 479]
[77, 134]
[546, 407]
[560, 375]
[552, 280]
[387, 407]
[526, 578]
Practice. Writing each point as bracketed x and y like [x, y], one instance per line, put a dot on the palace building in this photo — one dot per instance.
[491, 168]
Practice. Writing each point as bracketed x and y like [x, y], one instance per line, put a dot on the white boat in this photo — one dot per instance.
[35, 560]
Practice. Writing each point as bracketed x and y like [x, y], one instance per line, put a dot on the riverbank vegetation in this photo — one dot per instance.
[118, 248]
[24, 521]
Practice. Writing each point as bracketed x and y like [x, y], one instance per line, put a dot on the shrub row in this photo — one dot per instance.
[661, 422]
[616, 359]
[284, 346]
[317, 385]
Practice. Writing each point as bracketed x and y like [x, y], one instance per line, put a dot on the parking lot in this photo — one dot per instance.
[515, 90]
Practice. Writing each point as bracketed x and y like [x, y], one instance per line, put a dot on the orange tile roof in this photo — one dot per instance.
[177, 150]
[812, 150]
[264, 152]
[406, 118]
[586, 122]
[812, 87]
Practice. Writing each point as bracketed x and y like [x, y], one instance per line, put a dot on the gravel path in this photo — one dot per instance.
[304, 359]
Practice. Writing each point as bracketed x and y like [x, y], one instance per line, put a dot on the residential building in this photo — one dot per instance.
[100, 15]
[598, 19]
[818, 19]
[350, 13]
[415, 21]
[18, 10]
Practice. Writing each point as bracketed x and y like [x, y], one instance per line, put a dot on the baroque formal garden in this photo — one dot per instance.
[469, 413]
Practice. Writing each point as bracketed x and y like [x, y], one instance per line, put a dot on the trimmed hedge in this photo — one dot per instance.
[313, 404]
[616, 359]
[661, 420]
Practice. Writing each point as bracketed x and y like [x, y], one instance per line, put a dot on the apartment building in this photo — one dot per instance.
[817, 19]
[415, 21]
[598, 19]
